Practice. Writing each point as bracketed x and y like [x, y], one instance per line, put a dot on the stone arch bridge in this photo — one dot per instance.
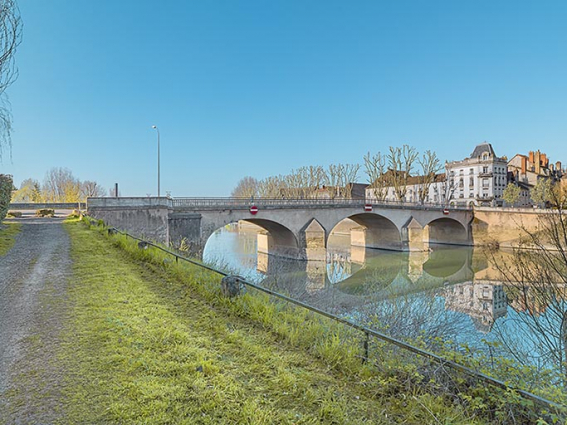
[291, 228]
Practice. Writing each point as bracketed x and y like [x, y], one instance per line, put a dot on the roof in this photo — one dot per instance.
[482, 148]
[420, 179]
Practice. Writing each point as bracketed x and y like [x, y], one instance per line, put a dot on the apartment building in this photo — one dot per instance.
[479, 179]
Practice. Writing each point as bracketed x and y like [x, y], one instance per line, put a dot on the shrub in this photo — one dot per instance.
[6, 186]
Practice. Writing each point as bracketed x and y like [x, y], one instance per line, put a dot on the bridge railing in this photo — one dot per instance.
[296, 202]
[242, 203]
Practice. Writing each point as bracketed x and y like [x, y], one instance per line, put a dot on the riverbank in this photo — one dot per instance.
[144, 340]
[153, 350]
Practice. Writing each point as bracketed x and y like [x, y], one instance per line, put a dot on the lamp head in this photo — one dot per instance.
[154, 126]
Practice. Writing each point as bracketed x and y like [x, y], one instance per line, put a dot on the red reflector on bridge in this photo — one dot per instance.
[446, 211]
[368, 207]
[253, 209]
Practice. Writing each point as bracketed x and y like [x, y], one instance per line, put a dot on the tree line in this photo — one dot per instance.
[395, 168]
[59, 185]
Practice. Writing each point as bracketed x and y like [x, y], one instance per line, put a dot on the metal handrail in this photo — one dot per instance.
[367, 331]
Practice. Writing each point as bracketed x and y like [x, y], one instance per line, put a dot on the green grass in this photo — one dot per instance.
[8, 232]
[154, 342]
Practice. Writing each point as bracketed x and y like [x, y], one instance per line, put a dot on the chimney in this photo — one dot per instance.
[544, 160]
[524, 164]
[537, 162]
[531, 157]
[558, 165]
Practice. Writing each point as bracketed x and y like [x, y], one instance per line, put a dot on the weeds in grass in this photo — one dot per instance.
[8, 232]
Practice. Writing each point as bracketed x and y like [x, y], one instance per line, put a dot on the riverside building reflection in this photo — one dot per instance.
[482, 301]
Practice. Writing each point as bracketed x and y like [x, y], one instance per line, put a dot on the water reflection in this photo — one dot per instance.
[350, 278]
[483, 302]
[451, 292]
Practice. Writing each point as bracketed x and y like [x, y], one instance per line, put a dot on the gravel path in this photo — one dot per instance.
[33, 281]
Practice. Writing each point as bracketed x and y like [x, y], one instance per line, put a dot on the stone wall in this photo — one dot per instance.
[184, 226]
[504, 226]
[150, 222]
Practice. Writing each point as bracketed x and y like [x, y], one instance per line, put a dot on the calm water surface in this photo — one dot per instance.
[451, 292]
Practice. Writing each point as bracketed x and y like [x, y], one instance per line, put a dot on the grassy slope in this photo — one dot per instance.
[146, 348]
[8, 232]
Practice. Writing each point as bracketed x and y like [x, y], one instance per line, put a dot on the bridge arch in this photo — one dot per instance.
[273, 238]
[446, 230]
[374, 231]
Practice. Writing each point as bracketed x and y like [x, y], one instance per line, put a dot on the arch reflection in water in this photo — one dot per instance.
[352, 276]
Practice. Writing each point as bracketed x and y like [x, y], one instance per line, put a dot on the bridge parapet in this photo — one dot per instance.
[245, 203]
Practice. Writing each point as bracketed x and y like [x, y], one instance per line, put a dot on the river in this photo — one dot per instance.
[450, 292]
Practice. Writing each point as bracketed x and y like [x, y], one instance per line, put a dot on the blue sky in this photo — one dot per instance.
[260, 87]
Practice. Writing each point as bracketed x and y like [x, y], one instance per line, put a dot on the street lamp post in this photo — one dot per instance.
[158, 185]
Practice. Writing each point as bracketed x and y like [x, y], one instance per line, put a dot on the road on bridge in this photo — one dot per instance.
[33, 285]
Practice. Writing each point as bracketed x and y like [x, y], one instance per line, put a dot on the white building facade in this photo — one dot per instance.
[477, 180]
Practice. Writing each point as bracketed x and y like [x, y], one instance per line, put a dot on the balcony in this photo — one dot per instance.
[485, 174]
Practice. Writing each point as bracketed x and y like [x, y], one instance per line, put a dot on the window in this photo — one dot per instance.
[471, 170]
[485, 183]
[485, 170]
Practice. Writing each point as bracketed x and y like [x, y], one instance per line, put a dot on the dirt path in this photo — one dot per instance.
[33, 281]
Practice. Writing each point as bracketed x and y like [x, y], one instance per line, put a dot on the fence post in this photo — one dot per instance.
[365, 347]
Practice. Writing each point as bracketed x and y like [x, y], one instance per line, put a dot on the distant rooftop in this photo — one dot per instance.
[482, 148]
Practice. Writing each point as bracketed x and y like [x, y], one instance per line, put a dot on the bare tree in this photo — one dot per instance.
[401, 162]
[91, 189]
[536, 284]
[317, 178]
[430, 166]
[247, 187]
[271, 187]
[348, 175]
[334, 179]
[61, 186]
[10, 38]
[375, 167]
